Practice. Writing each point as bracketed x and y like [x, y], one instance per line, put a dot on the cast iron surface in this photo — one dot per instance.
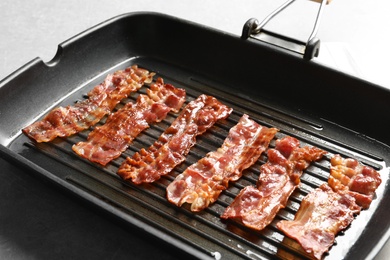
[319, 106]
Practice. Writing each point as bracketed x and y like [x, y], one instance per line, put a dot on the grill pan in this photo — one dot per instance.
[277, 88]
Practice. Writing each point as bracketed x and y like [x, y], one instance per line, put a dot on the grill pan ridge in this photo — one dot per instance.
[203, 234]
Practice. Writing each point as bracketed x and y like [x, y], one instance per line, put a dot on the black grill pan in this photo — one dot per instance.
[319, 106]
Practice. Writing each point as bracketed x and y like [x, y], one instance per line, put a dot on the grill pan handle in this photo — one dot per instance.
[309, 49]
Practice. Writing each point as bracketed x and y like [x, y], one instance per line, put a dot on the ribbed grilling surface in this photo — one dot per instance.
[204, 231]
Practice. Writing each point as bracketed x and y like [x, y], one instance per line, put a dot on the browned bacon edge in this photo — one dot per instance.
[256, 207]
[322, 214]
[108, 141]
[174, 144]
[358, 180]
[202, 182]
[66, 121]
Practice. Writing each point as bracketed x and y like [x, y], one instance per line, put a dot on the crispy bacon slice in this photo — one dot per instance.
[358, 180]
[202, 182]
[174, 144]
[108, 141]
[322, 214]
[257, 207]
[66, 121]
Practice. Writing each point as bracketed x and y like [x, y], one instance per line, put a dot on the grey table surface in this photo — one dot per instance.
[354, 36]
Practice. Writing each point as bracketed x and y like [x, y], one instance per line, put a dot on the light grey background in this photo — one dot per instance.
[354, 33]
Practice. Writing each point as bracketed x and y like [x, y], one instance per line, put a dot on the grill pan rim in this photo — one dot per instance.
[59, 58]
[280, 57]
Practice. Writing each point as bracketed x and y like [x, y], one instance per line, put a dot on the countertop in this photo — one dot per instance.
[39, 222]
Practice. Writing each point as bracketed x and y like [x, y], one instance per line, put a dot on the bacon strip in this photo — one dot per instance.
[66, 121]
[358, 180]
[174, 144]
[257, 207]
[322, 214]
[202, 182]
[108, 141]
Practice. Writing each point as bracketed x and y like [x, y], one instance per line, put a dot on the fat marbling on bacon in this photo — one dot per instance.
[256, 207]
[360, 181]
[322, 214]
[66, 121]
[202, 182]
[108, 141]
[174, 144]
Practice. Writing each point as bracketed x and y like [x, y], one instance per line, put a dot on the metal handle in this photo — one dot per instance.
[253, 28]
